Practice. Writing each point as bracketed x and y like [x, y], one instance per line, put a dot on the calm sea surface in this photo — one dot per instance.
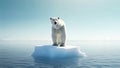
[100, 54]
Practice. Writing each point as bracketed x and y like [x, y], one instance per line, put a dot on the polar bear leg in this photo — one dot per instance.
[63, 36]
[54, 37]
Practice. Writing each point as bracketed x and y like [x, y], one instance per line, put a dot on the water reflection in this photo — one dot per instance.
[56, 63]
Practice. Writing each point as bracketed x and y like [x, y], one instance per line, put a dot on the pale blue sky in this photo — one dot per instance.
[85, 19]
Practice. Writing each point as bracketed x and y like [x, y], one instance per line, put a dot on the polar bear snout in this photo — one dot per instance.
[55, 23]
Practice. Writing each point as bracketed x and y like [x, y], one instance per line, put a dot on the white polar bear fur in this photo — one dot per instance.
[58, 31]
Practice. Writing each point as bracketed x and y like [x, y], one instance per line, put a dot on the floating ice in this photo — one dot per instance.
[49, 51]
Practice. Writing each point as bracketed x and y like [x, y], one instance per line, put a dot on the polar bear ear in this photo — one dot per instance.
[50, 18]
[58, 17]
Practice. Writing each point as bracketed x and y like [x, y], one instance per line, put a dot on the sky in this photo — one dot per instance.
[85, 19]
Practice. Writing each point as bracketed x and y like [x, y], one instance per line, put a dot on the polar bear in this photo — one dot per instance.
[58, 31]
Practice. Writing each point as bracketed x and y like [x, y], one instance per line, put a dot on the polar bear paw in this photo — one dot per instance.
[55, 44]
[62, 45]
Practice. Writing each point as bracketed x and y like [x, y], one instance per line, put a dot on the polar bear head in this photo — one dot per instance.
[56, 22]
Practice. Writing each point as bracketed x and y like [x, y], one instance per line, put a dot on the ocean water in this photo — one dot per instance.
[100, 54]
